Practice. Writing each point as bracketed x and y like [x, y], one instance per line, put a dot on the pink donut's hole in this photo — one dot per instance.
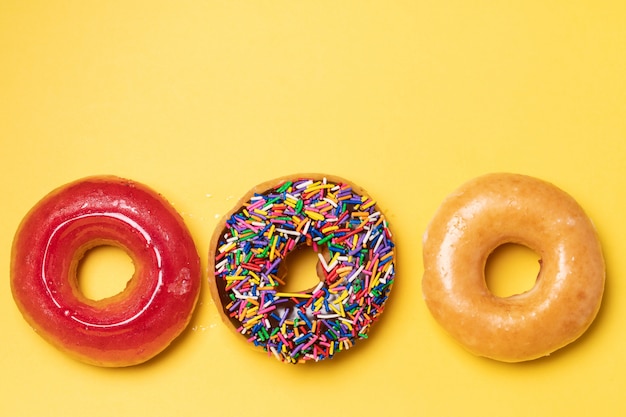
[511, 269]
[300, 270]
[104, 271]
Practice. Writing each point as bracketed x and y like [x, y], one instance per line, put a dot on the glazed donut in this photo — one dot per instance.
[356, 267]
[130, 327]
[507, 208]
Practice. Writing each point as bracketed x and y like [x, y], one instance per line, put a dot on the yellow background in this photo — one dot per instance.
[202, 100]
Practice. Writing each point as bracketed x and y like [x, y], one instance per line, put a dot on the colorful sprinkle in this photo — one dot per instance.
[354, 246]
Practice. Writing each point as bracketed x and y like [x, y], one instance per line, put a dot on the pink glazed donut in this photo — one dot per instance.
[128, 328]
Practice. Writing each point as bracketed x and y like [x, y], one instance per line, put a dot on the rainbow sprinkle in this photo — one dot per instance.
[355, 248]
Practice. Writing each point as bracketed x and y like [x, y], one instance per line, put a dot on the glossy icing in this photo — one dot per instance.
[127, 328]
[507, 208]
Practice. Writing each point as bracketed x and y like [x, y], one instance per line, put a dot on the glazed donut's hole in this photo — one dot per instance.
[511, 269]
[104, 271]
[299, 273]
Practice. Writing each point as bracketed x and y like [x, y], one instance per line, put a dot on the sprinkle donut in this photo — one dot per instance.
[130, 327]
[508, 208]
[356, 267]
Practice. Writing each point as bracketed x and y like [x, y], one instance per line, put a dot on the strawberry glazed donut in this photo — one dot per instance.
[128, 328]
[356, 266]
[507, 208]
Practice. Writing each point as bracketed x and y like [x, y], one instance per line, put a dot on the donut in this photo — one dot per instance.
[127, 328]
[486, 213]
[343, 225]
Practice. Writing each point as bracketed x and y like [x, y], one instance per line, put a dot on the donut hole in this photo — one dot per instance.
[300, 270]
[104, 271]
[511, 269]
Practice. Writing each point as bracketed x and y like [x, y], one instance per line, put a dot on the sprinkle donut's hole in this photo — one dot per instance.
[104, 271]
[511, 269]
[300, 270]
